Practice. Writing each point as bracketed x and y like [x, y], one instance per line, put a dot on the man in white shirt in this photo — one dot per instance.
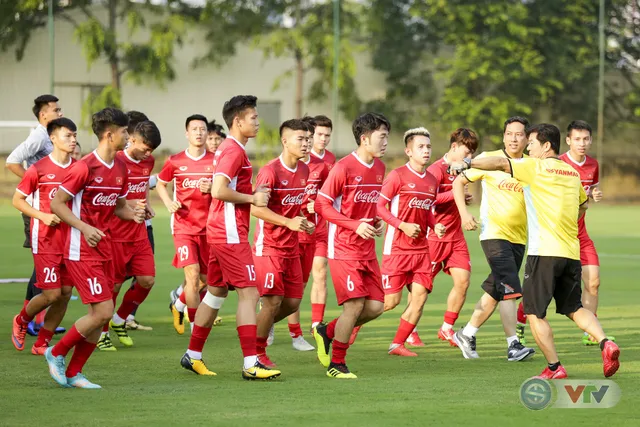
[35, 147]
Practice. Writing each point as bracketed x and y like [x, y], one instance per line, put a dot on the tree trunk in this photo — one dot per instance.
[299, 83]
[113, 54]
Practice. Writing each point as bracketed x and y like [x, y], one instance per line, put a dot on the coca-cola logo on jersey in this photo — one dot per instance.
[420, 203]
[194, 183]
[140, 187]
[292, 200]
[509, 185]
[52, 193]
[101, 199]
[371, 197]
[311, 189]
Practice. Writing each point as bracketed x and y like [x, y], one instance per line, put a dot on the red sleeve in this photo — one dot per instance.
[390, 188]
[76, 179]
[266, 177]
[596, 174]
[166, 174]
[331, 189]
[29, 183]
[437, 172]
[125, 185]
[229, 163]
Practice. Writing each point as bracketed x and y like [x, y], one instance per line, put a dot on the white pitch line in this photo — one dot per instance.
[14, 280]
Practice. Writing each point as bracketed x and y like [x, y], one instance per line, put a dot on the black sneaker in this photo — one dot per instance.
[466, 344]
[517, 352]
[340, 370]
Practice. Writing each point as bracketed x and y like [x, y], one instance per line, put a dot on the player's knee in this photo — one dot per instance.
[146, 282]
[65, 293]
[220, 292]
[593, 284]
[391, 301]
[354, 307]
[52, 295]
[103, 312]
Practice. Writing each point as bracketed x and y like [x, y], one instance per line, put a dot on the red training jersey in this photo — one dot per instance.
[410, 196]
[445, 209]
[138, 172]
[187, 173]
[288, 190]
[348, 197]
[228, 222]
[589, 171]
[327, 157]
[95, 187]
[318, 172]
[41, 181]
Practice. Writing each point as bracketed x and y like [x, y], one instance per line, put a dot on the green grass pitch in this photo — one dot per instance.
[145, 385]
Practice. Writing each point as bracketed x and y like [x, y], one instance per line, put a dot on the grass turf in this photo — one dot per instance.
[145, 385]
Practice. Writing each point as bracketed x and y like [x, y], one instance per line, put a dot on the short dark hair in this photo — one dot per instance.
[106, 118]
[579, 125]
[135, 117]
[466, 137]
[323, 121]
[311, 123]
[41, 102]
[60, 123]
[194, 117]
[294, 124]
[213, 127]
[367, 123]
[546, 132]
[78, 144]
[516, 119]
[236, 106]
[150, 133]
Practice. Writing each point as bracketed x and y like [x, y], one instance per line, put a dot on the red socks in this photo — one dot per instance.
[69, 340]
[317, 312]
[132, 298]
[80, 356]
[23, 317]
[191, 312]
[247, 336]
[522, 318]
[183, 298]
[198, 338]
[450, 317]
[261, 345]
[295, 330]
[404, 330]
[44, 337]
[339, 352]
[40, 317]
[105, 328]
[331, 328]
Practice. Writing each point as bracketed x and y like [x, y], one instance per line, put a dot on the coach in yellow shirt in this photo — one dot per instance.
[503, 236]
[554, 200]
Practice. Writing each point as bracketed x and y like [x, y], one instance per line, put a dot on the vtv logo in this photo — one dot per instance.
[586, 393]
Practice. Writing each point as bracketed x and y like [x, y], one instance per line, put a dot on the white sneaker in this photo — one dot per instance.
[271, 337]
[300, 344]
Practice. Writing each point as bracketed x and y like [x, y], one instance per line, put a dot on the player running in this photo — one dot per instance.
[190, 172]
[276, 251]
[41, 182]
[230, 258]
[450, 252]
[348, 200]
[97, 187]
[553, 267]
[410, 192]
[132, 251]
[503, 236]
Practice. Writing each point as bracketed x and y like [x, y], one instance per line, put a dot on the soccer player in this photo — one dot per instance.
[450, 252]
[191, 172]
[215, 136]
[321, 139]
[410, 192]
[97, 187]
[47, 236]
[348, 201]
[276, 250]
[35, 147]
[230, 258]
[555, 200]
[77, 152]
[132, 252]
[503, 223]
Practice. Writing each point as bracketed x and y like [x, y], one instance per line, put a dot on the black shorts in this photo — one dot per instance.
[27, 231]
[547, 277]
[505, 259]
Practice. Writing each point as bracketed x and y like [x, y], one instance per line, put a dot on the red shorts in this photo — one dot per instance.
[231, 264]
[281, 276]
[356, 279]
[92, 279]
[588, 253]
[50, 271]
[307, 252]
[191, 250]
[322, 249]
[448, 255]
[399, 271]
[132, 259]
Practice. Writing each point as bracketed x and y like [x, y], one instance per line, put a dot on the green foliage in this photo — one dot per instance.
[267, 144]
[107, 97]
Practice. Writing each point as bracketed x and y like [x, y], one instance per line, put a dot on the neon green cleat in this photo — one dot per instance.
[520, 334]
[121, 332]
[105, 343]
[340, 371]
[323, 344]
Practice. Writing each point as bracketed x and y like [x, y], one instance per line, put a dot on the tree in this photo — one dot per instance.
[302, 30]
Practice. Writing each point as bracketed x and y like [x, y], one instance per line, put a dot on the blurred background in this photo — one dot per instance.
[441, 64]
